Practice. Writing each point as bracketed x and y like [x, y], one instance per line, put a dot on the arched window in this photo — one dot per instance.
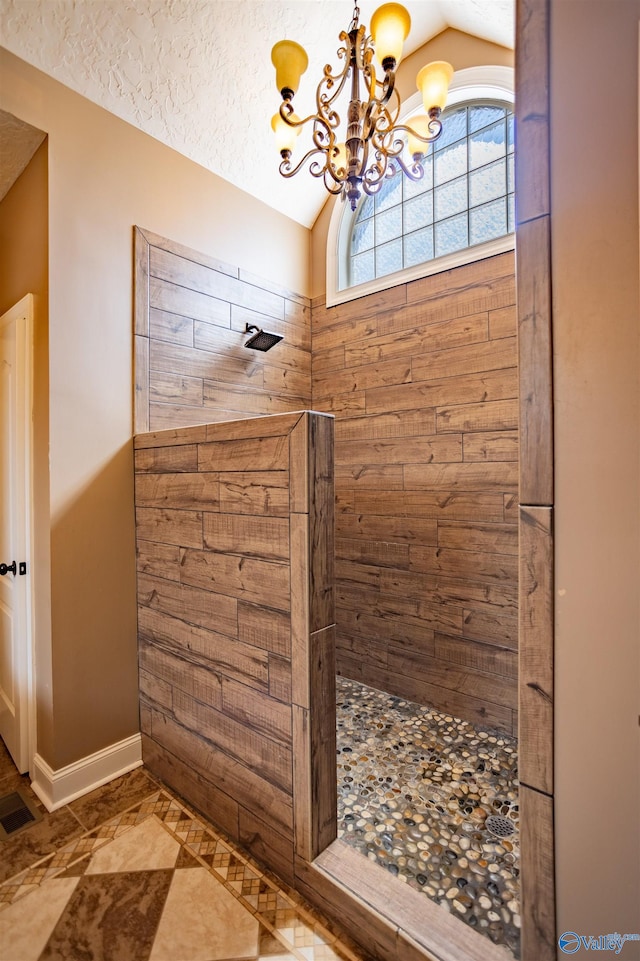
[461, 210]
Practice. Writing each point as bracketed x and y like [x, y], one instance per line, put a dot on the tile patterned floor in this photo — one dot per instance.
[415, 789]
[155, 883]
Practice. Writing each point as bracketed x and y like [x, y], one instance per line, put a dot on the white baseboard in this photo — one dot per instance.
[57, 788]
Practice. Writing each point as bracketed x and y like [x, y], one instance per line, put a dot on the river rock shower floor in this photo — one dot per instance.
[415, 788]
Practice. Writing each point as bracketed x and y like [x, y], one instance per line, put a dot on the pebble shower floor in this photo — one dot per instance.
[415, 789]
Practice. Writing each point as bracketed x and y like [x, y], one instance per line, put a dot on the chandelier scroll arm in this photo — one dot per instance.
[288, 171]
[434, 125]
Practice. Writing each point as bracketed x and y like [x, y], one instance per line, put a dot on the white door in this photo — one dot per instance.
[16, 663]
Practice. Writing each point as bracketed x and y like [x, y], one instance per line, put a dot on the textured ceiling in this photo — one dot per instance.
[197, 74]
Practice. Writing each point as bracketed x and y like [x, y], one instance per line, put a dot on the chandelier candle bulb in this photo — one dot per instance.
[433, 83]
[390, 25]
[290, 61]
[372, 147]
[286, 135]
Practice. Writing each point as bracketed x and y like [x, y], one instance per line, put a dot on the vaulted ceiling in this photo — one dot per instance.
[197, 74]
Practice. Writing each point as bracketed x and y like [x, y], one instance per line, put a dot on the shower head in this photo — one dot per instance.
[261, 340]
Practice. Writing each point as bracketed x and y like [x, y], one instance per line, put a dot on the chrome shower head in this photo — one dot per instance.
[261, 340]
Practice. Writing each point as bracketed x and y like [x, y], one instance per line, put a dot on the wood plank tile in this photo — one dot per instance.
[493, 538]
[188, 490]
[420, 333]
[158, 560]
[536, 656]
[532, 109]
[271, 760]
[371, 476]
[538, 878]
[486, 477]
[286, 380]
[189, 604]
[198, 277]
[167, 388]
[481, 281]
[159, 693]
[457, 703]
[415, 450]
[189, 678]
[482, 388]
[407, 423]
[141, 399]
[330, 383]
[503, 322]
[169, 526]
[260, 712]
[390, 529]
[264, 628]
[273, 425]
[300, 609]
[255, 454]
[141, 283]
[494, 628]
[173, 328]
[247, 578]
[269, 847]
[207, 648]
[447, 505]
[536, 371]
[483, 657]
[280, 684]
[255, 492]
[177, 299]
[165, 416]
[377, 553]
[214, 368]
[465, 360]
[167, 459]
[490, 446]
[332, 359]
[321, 522]
[299, 466]
[203, 794]
[255, 401]
[172, 437]
[479, 567]
[251, 536]
[228, 774]
[495, 415]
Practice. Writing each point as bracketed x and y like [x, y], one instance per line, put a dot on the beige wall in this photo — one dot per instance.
[461, 51]
[24, 269]
[597, 422]
[105, 176]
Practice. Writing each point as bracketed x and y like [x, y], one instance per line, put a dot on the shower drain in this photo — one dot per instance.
[499, 827]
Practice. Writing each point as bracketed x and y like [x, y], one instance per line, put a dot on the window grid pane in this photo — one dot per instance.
[465, 197]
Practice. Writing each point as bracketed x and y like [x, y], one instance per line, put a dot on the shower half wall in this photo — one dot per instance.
[234, 528]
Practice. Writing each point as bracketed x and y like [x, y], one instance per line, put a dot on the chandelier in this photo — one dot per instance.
[374, 142]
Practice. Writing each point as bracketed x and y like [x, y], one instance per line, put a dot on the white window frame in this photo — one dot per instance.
[472, 83]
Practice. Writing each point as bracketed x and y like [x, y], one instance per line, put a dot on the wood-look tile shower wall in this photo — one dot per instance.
[191, 366]
[423, 381]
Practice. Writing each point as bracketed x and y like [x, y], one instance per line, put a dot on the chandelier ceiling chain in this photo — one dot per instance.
[372, 146]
